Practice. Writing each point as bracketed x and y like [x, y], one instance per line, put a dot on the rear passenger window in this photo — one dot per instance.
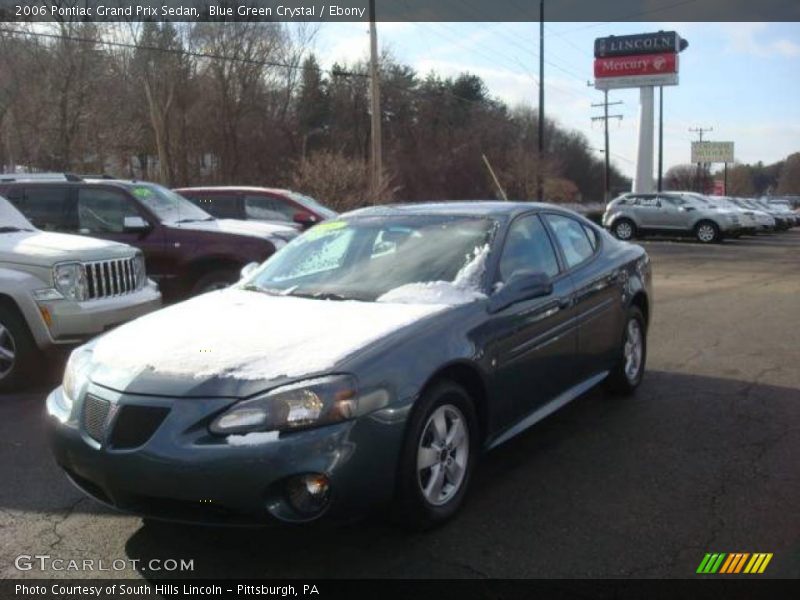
[527, 248]
[572, 237]
[221, 206]
[592, 235]
[46, 208]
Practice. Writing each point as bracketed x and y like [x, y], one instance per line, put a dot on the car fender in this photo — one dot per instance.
[18, 287]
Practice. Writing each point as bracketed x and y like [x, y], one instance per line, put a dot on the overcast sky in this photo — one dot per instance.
[742, 79]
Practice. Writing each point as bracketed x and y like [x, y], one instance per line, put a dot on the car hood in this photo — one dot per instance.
[43, 248]
[254, 229]
[235, 342]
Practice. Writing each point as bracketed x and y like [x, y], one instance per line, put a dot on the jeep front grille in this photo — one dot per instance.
[106, 278]
[95, 417]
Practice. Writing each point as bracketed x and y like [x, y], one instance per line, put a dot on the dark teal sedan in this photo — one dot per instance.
[368, 363]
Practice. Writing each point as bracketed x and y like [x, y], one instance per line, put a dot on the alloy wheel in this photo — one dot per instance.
[442, 454]
[8, 351]
[706, 233]
[634, 349]
[624, 230]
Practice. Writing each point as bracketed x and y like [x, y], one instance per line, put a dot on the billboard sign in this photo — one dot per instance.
[642, 43]
[712, 152]
[636, 71]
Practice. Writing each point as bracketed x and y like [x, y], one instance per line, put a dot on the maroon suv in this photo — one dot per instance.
[259, 204]
[187, 250]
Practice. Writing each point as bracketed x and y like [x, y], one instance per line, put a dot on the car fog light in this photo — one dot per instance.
[308, 494]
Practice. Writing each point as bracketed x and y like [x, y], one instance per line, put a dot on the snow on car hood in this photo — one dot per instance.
[255, 229]
[250, 336]
[45, 248]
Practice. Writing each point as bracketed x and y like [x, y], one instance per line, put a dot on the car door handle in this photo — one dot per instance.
[564, 303]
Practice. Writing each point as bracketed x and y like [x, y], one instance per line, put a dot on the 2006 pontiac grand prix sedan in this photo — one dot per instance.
[368, 362]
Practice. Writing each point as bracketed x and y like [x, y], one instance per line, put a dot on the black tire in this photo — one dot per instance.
[215, 280]
[619, 380]
[707, 232]
[16, 337]
[622, 227]
[413, 508]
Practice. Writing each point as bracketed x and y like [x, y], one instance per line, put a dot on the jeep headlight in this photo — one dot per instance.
[70, 280]
[75, 376]
[310, 403]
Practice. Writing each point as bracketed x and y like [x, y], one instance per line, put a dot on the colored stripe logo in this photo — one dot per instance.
[734, 563]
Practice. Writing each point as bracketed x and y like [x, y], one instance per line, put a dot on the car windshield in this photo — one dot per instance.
[11, 219]
[366, 258]
[312, 204]
[167, 205]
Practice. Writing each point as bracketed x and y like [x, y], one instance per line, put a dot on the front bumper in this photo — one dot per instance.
[75, 322]
[184, 473]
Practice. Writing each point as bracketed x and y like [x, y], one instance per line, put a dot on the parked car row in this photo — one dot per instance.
[708, 219]
[73, 252]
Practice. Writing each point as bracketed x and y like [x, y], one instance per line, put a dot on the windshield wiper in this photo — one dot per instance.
[195, 220]
[12, 229]
[251, 287]
[319, 295]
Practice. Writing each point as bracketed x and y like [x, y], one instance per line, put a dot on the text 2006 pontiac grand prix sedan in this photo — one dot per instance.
[368, 362]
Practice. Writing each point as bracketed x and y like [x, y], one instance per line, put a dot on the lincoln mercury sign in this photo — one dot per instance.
[648, 59]
[642, 43]
[712, 152]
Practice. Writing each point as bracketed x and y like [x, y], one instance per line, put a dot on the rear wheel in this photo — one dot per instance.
[627, 374]
[438, 456]
[18, 351]
[707, 232]
[215, 280]
[624, 229]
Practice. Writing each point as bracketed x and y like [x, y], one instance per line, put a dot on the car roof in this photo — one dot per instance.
[477, 208]
[234, 188]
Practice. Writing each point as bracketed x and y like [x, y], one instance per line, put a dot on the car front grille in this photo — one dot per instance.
[135, 425]
[106, 278]
[95, 417]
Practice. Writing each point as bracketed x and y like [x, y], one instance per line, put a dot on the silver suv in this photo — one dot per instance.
[57, 290]
[633, 215]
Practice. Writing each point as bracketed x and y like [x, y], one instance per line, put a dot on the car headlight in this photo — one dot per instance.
[310, 403]
[75, 375]
[70, 280]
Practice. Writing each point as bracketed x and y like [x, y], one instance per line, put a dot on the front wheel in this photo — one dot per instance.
[438, 456]
[18, 352]
[624, 230]
[627, 374]
[707, 232]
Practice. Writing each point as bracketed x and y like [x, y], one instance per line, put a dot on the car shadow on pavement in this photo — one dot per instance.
[607, 487]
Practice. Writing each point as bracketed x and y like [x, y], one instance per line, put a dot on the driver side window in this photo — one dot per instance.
[527, 248]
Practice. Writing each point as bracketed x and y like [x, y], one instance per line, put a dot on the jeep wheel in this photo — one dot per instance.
[17, 349]
[707, 232]
[624, 230]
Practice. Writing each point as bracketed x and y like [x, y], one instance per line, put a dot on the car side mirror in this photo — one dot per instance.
[521, 286]
[134, 224]
[305, 218]
[248, 270]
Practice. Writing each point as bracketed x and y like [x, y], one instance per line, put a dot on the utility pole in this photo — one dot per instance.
[540, 166]
[699, 131]
[376, 159]
[660, 138]
[607, 172]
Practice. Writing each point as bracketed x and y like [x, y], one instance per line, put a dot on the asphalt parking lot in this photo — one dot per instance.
[705, 458]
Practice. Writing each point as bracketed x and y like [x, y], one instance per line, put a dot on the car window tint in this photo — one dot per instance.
[268, 208]
[222, 206]
[46, 208]
[572, 238]
[103, 210]
[527, 248]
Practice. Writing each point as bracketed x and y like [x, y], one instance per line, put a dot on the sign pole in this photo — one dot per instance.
[660, 138]
[643, 182]
[725, 181]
